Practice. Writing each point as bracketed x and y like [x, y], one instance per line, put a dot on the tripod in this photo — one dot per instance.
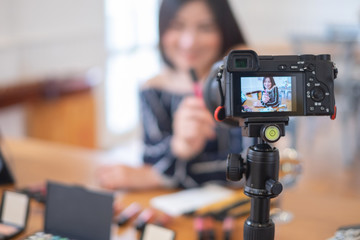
[261, 171]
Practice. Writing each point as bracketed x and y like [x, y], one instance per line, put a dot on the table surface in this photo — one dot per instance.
[326, 196]
[255, 104]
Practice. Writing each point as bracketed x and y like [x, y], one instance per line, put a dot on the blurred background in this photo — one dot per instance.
[70, 70]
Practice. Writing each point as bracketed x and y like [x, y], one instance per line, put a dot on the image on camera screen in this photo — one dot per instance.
[267, 94]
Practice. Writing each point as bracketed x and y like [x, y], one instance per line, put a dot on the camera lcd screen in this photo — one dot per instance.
[263, 94]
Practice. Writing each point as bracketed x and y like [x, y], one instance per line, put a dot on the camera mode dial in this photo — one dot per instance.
[324, 57]
[317, 94]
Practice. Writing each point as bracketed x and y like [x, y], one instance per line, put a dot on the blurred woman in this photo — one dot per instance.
[270, 95]
[183, 145]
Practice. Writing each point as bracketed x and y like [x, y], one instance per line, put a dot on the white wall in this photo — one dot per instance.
[40, 38]
[46, 37]
[275, 21]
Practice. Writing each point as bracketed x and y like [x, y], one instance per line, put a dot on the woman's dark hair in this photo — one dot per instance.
[272, 81]
[224, 18]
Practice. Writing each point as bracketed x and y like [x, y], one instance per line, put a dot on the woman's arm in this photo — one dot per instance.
[157, 155]
[157, 131]
[264, 98]
[274, 98]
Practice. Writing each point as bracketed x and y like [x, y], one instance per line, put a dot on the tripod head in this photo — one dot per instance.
[261, 171]
[267, 130]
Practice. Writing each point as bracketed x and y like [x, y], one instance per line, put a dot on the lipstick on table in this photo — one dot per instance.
[128, 213]
[199, 225]
[228, 227]
[210, 228]
[197, 86]
[163, 220]
[144, 218]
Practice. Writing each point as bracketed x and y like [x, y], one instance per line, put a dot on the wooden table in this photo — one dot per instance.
[253, 103]
[326, 196]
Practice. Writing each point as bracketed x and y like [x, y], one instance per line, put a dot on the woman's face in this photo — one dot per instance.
[193, 39]
[267, 83]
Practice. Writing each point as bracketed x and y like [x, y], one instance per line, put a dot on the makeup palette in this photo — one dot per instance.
[13, 213]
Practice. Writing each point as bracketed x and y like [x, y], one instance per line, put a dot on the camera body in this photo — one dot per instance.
[275, 86]
[261, 92]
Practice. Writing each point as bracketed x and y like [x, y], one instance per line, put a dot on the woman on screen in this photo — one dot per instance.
[270, 95]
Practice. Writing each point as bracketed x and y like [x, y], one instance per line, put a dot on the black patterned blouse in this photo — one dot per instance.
[157, 109]
[273, 97]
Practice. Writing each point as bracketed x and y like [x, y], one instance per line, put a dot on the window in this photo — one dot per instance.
[133, 57]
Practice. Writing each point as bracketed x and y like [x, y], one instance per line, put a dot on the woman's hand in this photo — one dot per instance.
[193, 125]
[265, 97]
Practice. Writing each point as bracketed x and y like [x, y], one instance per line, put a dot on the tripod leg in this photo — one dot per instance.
[258, 225]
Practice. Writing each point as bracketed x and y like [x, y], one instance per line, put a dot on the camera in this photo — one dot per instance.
[259, 93]
[246, 85]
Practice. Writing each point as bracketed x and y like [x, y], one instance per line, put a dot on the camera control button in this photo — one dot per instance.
[311, 79]
[317, 94]
[282, 67]
[294, 67]
[312, 109]
[310, 67]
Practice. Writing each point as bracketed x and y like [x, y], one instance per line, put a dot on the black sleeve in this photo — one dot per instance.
[157, 109]
[157, 131]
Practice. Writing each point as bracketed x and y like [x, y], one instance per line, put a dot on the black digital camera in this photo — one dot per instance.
[249, 85]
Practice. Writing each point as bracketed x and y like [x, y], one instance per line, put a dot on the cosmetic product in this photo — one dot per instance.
[128, 213]
[209, 228]
[197, 86]
[228, 227]
[163, 220]
[14, 214]
[144, 218]
[199, 227]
